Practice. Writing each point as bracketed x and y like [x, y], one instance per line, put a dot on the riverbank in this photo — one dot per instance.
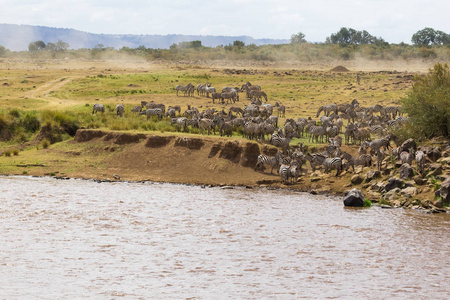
[215, 161]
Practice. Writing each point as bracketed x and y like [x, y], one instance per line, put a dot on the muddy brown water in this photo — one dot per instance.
[83, 239]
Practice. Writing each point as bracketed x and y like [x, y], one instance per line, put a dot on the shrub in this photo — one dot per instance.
[45, 143]
[428, 103]
[7, 153]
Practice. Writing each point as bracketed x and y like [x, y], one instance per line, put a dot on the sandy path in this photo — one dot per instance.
[43, 93]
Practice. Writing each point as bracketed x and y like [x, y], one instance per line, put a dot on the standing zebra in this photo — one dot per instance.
[184, 88]
[152, 112]
[273, 161]
[333, 163]
[98, 107]
[120, 109]
[420, 159]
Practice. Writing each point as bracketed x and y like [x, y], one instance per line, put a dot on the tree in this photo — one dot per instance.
[2, 51]
[298, 38]
[429, 36]
[239, 44]
[59, 46]
[350, 36]
[428, 103]
[36, 46]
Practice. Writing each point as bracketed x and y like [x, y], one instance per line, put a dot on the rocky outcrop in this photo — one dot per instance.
[354, 198]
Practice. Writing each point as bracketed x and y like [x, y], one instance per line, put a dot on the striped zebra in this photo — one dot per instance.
[152, 112]
[281, 110]
[183, 88]
[315, 160]
[208, 90]
[333, 163]
[98, 107]
[273, 161]
[207, 124]
[285, 173]
[282, 142]
[407, 156]
[420, 159]
[327, 109]
[377, 144]
[390, 110]
[380, 155]
[316, 132]
[364, 160]
[120, 109]
[137, 109]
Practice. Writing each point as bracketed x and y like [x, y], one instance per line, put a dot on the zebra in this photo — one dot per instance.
[283, 142]
[215, 95]
[281, 109]
[183, 88]
[98, 107]
[226, 129]
[258, 94]
[152, 112]
[333, 163]
[207, 124]
[285, 173]
[156, 105]
[315, 132]
[378, 143]
[380, 157]
[237, 110]
[170, 112]
[327, 109]
[137, 109]
[120, 109]
[364, 160]
[315, 160]
[407, 156]
[208, 90]
[420, 159]
[230, 96]
[273, 161]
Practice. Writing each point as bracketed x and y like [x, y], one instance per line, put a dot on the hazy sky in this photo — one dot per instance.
[393, 20]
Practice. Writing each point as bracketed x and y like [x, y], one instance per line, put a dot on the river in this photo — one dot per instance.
[77, 239]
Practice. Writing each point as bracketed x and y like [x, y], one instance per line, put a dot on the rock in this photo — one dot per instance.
[436, 169]
[314, 179]
[409, 143]
[444, 191]
[419, 180]
[409, 191]
[406, 171]
[434, 153]
[356, 179]
[439, 203]
[372, 174]
[354, 198]
[392, 194]
[393, 183]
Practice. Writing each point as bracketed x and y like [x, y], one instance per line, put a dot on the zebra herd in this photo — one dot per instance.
[259, 120]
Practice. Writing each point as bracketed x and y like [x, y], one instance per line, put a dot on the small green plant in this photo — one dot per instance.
[24, 172]
[367, 203]
[15, 152]
[7, 153]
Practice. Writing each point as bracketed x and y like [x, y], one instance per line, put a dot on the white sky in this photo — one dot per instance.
[393, 20]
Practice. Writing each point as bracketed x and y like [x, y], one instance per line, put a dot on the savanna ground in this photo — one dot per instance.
[73, 86]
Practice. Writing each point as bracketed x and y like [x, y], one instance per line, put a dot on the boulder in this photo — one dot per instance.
[409, 143]
[372, 174]
[356, 179]
[393, 183]
[354, 198]
[419, 180]
[436, 169]
[444, 191]
[406, 171]
[409, 191]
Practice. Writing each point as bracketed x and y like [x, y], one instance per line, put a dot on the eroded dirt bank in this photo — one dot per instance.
[211, 160]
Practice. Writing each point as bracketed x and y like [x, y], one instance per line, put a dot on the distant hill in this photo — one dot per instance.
[18, 37]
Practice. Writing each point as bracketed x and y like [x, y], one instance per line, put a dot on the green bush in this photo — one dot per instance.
[428, 103]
